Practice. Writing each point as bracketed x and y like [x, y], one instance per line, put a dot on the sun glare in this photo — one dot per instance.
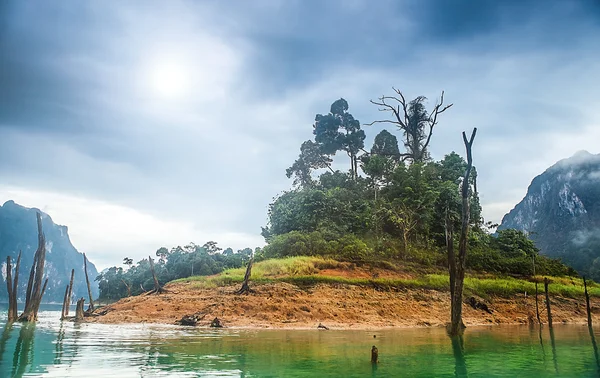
[169, 79]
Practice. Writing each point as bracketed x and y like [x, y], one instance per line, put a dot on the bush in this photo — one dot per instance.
[295, 243]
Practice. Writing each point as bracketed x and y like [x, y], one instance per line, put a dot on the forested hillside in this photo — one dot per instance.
[393, 203]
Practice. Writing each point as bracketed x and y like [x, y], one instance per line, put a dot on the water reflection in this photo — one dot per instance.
[23, 354]
[458, 349]
[595, 346]
[553, 344]
[55, 349]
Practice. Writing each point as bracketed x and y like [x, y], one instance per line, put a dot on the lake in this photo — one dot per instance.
[52, 348]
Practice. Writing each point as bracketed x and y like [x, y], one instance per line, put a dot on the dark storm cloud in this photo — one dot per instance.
[74, 121]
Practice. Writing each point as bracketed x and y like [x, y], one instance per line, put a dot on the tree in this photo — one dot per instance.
[127, 261]
[311, 158]
[386, 144]
[35, 288]
[162, 254]
[211, 247]
[457, 264]
[414, 121]
[339, 131]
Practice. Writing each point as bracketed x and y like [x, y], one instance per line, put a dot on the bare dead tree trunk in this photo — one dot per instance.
[128, 288]
[157, 288]
[457, 326]
[11, 287]
[35, 289]
[587, 303]
[245, 289]
[87, 280]
[65, 305]
[537, 306]
[70, 292]
[451, 255]
[79, 309]
[548, 302]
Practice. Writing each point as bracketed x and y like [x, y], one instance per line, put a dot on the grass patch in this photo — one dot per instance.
[303, 271]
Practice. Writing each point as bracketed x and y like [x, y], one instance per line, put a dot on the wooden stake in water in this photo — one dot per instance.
[374, 354]
[548, 302]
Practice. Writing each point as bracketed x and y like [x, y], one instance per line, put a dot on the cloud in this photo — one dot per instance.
[83, 133]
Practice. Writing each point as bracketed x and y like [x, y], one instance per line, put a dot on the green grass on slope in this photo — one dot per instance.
[302, 271]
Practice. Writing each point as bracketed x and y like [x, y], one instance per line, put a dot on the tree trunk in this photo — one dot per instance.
[587, 303]
[245, 289]
[11, 287]
[35, 291]
[537, 307]
[65, 305]
[79, 309]
[548, 303]
[457, 326]
[87, 280]
[451, 256]
[157, 288]
[70, 292]
[128, 288]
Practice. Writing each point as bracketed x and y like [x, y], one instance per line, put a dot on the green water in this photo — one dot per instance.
[54, 349]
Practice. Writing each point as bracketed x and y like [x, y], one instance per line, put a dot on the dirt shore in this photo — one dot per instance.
[282, 305]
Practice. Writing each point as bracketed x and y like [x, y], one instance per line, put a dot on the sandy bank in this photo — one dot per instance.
[338, 306]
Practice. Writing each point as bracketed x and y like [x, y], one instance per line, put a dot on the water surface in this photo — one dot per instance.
[52, 348]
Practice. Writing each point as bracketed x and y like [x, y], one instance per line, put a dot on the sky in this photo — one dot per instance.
[143, 124]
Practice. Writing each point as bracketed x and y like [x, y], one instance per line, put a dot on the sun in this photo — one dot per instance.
[168, 78]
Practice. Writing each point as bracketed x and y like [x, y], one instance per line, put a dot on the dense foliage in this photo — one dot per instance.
[396, 209]
[390, 205]
[179, 262]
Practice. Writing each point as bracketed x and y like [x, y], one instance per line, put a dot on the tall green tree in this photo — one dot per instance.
[339, 131]
[311, 158]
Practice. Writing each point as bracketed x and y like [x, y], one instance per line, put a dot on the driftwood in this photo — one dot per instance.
[79, 314]
[11, 286]
[191, 320]
[457, 265]
[245, 289]
[87, 280]
[478, 305]
[216, 323]
[35, 288]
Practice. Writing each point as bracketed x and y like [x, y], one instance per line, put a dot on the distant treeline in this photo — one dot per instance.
[179, 262]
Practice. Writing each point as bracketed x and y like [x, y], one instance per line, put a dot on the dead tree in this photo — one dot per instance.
[456, 265]
[35, 288]
[412, 119]
[70, 291]
[157, 288]
[537, 306]
[587, 303]
[128, 287]
[548, 302]
[67, 299]
[63, 314]
[11, 286]
[87, 280]
[245, 289]
[79, 313]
